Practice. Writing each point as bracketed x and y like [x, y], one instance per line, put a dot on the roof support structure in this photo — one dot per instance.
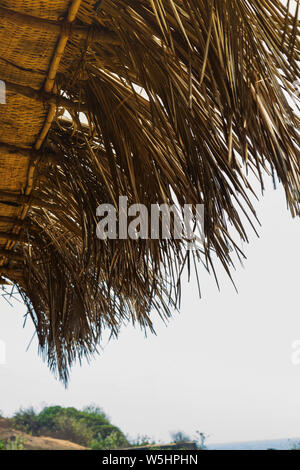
[51, 98]
[30, 153]
[92, 33]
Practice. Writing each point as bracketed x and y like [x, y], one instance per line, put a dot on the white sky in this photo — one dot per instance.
[223, 366]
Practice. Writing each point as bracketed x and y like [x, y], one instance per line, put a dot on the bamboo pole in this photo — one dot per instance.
[54, 102]
[14, 197]
[28, 153]
[13, 273]
[12, 220]
[6, 196]
[47, 125]
[45, 25]
[11, 254]
[49, 84]
[21, 151]
[62, 42]
[50, 98]
[9, 236]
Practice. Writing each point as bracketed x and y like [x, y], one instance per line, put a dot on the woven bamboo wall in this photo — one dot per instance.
[27, 54]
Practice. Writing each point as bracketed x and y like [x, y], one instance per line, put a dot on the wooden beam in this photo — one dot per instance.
[92, 33]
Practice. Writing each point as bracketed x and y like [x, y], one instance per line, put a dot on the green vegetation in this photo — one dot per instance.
[13, 444]
[89, 427]
[141, 441]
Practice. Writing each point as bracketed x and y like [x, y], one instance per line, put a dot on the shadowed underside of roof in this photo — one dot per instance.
[215, 77]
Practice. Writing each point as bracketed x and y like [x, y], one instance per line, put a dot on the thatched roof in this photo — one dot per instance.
[75, 132]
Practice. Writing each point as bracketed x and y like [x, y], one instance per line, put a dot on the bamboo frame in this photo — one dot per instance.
[28, 153]
[6, 196]
[13, 273]
[11, 220]
[53, 100]
[46, 97]
[9, 236]
[14, 197]
[63, 39]
[62, 42]
[11, 254]
[43, 25]
[47, 125]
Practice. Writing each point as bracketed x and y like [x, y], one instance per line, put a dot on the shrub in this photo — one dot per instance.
[114, 440]
[86, 427]
[141, 441]
[179, 437]
[15, 444]
[68, 427]
[26, 420]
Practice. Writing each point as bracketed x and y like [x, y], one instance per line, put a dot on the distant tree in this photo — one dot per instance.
[141, 440]
[112, 441]
[201, 439]
[26, 420]
[179, 437]
[94, 410]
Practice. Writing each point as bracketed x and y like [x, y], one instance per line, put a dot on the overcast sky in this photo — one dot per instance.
[223, 366]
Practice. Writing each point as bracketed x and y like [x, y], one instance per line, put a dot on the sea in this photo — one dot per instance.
[277, 444]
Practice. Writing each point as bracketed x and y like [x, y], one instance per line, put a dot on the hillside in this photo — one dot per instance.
[8, 433]
[55, 427]
[59, 428]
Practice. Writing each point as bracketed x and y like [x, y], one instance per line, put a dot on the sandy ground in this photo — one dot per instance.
[34, 442]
